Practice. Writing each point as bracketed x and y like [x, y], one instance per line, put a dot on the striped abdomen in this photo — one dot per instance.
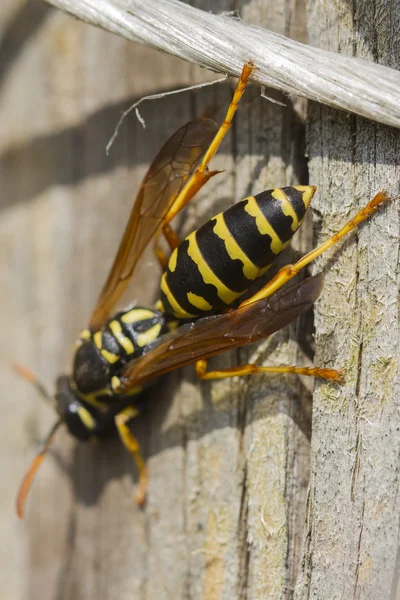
[217, 263]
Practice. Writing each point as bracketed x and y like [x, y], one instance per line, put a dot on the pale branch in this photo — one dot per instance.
[223, 43]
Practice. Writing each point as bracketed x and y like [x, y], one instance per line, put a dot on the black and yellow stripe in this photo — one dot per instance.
[101, 355]
[126, 335]
[217, 263]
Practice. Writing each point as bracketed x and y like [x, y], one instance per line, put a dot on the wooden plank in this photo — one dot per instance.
[228, 461]
[352, 516]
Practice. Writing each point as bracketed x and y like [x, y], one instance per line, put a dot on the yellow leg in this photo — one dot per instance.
[172, 238]
[202, 174]
[289, 271]
[132, 445]
[215, 144]
[161, 256]
[252, 369]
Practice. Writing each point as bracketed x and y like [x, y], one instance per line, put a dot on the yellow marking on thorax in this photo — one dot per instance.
[115, 383]
[137, 314]
[148, 336]
[178, 310]
[263, 225]
[97, 338]
[121, 338]
[172, 260]
[159, 306]
[287, 208]
[85, 334]
[250, 270]
[86, 418]
[226, 295]
[199, 302]
[109, 356]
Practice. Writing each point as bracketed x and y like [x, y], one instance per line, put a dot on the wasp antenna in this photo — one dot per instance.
[30, 475]
[31, 377]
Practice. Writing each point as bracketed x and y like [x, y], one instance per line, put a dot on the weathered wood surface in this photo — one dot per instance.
[229, 461]
[352, 530]
[223, 43]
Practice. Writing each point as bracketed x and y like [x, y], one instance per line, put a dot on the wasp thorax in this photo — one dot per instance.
[102, 354]
[90, 371]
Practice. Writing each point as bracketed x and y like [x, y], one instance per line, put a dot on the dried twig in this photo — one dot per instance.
[224, 43]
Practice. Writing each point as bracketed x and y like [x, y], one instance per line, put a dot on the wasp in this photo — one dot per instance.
[199, 313]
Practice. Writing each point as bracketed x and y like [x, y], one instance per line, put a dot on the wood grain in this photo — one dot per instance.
[352, 530]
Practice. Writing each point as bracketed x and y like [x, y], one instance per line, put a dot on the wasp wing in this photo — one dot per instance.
[167, 175]
[214, 335]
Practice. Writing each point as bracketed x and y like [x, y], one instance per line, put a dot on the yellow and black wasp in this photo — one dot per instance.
[117, 355]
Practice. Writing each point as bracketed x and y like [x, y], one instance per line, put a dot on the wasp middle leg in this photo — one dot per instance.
[283, 276]
[289, 271]
[253, 369]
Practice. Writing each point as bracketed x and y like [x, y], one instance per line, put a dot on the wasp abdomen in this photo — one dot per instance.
[217, 263]
[102, 354]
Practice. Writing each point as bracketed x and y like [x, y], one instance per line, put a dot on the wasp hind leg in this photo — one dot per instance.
[289, 271]
[201, 174]
[253, 369]
[132, 445]
[284, 275]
